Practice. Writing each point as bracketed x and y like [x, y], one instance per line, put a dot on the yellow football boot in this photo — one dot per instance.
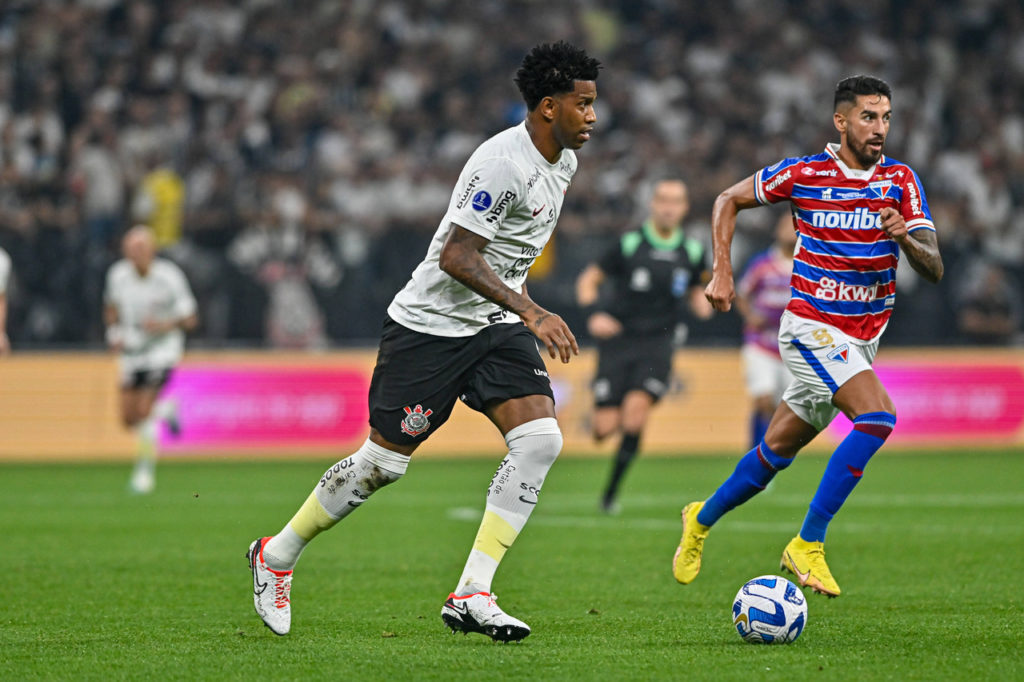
[686, 562]
[806, 560]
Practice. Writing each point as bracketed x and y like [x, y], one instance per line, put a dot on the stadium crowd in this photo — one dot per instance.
[295, 157]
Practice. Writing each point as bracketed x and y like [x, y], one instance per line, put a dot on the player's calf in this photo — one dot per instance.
[511, 498]
[844, 470]
[752, 474]
[341, 490]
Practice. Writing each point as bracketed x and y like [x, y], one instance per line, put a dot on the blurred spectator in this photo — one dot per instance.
[989, 311]
[160, 202]
[370, 108]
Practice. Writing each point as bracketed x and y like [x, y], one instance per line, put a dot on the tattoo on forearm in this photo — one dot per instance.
[923, 253]
[472, 270]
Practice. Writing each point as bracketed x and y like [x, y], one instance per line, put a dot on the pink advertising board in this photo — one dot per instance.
[237, 407]
[945, 402]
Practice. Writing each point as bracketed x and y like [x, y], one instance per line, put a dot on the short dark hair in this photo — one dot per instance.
[552, 69]
[848, 89]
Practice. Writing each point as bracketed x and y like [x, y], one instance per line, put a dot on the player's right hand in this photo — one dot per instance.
[603, 326]
[553, 332]
[721, 292]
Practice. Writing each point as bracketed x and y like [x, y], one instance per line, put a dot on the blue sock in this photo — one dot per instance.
[758, 427]
[844, 470]
[753, 472]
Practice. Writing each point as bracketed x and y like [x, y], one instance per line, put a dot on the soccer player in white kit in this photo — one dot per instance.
[5, 278]
[148, 307]
[465, 328]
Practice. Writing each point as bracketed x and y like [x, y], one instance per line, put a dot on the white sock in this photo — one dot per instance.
[147, 432]
[341, 490]
[165, 409]
[511, 498]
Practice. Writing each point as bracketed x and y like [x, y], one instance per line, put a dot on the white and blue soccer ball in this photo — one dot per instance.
[769, 610]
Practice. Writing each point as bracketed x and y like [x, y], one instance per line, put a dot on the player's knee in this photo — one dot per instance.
[538, 441]
[130, 418]
[785, 447]
[878, 424]
[635, 420]
[772, 460]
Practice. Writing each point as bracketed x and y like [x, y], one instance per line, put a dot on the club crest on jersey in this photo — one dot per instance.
[415, 422]
[880, 188]
[840, 354]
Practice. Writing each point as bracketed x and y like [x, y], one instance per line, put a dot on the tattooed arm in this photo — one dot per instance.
[461, 259]
[921, 247]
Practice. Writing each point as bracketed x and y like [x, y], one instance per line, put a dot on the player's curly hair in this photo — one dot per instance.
[551, 69]
[848, 89]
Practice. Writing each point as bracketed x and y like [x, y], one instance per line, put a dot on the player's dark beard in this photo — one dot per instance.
[866, 157]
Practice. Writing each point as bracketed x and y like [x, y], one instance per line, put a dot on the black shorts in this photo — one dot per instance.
[155, 378]
[419, 377]
[632, 363]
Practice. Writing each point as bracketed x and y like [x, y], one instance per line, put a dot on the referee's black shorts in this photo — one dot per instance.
[632, 363]
[419, 376]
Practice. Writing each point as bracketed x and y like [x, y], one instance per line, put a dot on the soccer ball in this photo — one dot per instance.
[769, 610]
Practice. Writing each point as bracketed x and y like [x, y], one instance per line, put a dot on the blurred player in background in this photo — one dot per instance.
[5, 279]
[148, 308]
[761, 298]
[465, 328]
[856, 211]
[654, 273]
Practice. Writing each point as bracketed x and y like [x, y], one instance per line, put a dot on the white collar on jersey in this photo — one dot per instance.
[832, 149]
[538, 158]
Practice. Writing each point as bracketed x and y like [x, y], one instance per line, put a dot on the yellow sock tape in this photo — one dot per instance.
[495, 536]
[311, 519]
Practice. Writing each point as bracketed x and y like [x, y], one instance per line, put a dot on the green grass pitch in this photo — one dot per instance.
[98, 584]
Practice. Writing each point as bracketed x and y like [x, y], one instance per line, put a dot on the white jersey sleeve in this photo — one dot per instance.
[5, 271]
[184, 302]
[486, 194]
[509, 194]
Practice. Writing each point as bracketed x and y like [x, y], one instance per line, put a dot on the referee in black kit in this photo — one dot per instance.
[653, 273]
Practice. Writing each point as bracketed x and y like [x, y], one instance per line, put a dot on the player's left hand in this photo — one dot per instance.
[5, 344]
[552, 331]
[893, 223]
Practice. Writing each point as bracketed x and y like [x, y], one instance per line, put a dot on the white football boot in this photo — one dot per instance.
[143, 479]
[271, 590]
[478, 612]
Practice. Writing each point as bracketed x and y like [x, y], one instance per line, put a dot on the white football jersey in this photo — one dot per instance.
[163, 294]
[5, 271]
[508, 193]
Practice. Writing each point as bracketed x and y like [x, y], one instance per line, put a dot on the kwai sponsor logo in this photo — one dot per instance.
[833, 290]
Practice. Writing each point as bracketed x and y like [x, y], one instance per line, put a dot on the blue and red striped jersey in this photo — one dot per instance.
[844, 271]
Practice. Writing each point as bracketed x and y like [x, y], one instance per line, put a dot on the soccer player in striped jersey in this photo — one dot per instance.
[855, 211]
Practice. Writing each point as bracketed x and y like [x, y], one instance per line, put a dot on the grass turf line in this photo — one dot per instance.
[100, 584]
